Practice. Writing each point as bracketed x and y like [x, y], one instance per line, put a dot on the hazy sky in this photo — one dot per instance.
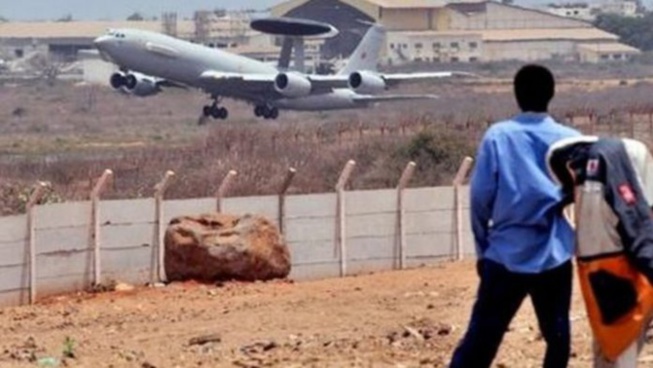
[116, 9]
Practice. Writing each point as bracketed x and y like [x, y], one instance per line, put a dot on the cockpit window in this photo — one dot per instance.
[116, 34]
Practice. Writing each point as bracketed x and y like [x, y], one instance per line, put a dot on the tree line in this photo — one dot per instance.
[633, 31]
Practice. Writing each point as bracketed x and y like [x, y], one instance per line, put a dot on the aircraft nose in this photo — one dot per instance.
[102, 41]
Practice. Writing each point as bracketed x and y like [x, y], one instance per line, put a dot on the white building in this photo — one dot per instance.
[582, 11]
[626, 8]
[463, 30]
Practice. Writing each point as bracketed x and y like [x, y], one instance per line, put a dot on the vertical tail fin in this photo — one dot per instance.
[366, 55]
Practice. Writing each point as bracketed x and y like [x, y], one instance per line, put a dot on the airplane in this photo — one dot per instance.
[148, 61]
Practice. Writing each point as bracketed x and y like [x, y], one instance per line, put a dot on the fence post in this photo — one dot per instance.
[632, 125]
[459, 180]
[403, 182]
[36, 196]
[159, 191]
[224, 186]
[341, 245]
[95, 222]
[290, 175]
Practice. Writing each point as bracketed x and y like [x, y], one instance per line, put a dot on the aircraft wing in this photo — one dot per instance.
[170, 84]
[238, 84]
[326, 83]
[264, 83]
[400, 78]
[214, 77]
[366, 99]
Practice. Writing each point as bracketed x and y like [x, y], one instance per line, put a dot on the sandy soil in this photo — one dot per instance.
[395, 319]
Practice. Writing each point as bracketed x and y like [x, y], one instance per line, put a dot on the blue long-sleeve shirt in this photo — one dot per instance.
[515, 206]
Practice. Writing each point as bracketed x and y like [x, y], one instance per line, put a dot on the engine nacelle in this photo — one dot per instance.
[135, 84]
[292, 85]
[145, 87]
[117, 80]
[366, 82]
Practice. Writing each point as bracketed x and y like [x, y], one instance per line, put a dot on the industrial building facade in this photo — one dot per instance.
[461, 31]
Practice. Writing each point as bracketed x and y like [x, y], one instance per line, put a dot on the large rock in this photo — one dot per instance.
[216, 246]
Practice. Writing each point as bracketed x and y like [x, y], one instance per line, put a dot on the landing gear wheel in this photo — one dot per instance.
[274, 113]
[223, 113]
[259, 111]
[206, 111]
[215, 112]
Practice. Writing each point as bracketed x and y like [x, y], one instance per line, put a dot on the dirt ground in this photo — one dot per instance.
[395, 319]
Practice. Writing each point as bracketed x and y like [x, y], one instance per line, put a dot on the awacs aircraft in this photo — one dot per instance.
[149, 61]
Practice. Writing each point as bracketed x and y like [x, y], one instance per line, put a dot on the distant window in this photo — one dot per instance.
[392, 45]
[473, 45]
[418, 60]
[436, 45]
[617, 56]
[436, 59]
[405, 46]
[605, 57]
[454, 45]
[418, 45]
[19, 53]
[454, 59]
[473, 59]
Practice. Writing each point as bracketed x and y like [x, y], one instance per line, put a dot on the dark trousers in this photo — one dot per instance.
[500, 294]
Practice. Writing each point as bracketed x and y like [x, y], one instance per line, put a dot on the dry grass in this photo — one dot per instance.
[69, 134]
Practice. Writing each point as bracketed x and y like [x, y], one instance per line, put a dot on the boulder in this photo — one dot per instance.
[213, 247]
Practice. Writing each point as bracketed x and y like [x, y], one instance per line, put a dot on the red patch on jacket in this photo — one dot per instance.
[627, 194]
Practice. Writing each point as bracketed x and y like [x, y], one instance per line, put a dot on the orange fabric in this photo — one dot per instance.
[613, 339]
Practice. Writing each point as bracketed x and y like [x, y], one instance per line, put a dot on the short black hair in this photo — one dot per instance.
[534, 87]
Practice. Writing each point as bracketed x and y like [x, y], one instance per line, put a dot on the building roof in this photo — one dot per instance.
[286, 6]
[611, 47]
[506, 35]
[405, 4]
[86, 29]
[588, 33]
[92, 29]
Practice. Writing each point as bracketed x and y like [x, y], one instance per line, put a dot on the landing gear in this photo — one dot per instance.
[215, 111]
[266, 112]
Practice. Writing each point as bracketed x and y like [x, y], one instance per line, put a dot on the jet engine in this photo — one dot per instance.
[138, 85]
[366, 82]
[292, 85]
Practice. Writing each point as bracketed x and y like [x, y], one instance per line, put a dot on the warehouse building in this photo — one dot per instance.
[62, 40]
[459, 31]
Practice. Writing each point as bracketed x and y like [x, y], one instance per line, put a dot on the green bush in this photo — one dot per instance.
[438, 154]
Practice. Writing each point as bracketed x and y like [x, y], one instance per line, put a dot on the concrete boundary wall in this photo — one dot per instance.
[127, 237]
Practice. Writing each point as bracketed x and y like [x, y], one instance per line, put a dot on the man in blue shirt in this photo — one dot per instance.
[523, 242]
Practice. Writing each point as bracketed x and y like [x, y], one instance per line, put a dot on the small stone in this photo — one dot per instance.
[122, 286]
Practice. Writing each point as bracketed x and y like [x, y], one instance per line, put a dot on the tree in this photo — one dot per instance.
[634, 31]
[136, 16]
[66, 18]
